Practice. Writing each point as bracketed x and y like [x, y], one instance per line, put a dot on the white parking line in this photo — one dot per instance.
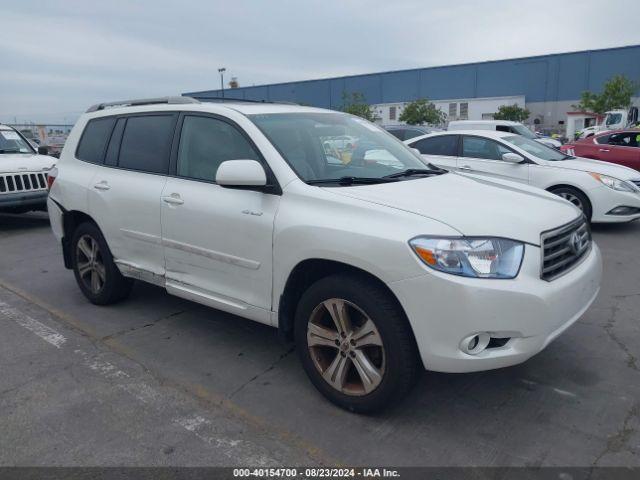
[47, 334]
[144, 393]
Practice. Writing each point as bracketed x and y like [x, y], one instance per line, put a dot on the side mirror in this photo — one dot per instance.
[241, 173]
[416, 151]
[43, 150]
[512, 157]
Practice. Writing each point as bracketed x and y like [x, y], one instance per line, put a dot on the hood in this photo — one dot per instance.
[472, 206]
[24, 162]
[596, 166]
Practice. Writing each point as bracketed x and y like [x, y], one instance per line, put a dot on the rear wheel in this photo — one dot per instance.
[97, 275]
[355, 343]
[576, 197]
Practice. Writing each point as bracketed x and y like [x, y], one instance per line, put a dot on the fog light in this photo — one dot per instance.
[474, 344]
[624, 211]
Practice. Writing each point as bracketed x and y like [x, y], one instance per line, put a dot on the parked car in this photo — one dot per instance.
[621, 147]
[23, 173]
[375, 270]
[603, 191]
[502, 126]
[406, 132]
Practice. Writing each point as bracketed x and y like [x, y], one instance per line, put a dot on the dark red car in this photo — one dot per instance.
[619, 146]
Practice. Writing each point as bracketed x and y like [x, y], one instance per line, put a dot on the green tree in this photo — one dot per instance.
[355, 104]
[616, 93]
[422, 111]
[511, 112]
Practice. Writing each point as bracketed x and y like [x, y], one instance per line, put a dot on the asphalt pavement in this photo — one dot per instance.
[157, 380]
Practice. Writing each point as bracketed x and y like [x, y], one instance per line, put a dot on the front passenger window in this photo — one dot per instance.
[205, 143]
[477, 147]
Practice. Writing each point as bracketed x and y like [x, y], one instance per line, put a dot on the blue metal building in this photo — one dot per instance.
[549, 84]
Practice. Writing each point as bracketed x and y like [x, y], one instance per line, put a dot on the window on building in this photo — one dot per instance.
[453, 110]
[446, 145]
[392, 113]
[94, 139]
[464, 111]
[207, 142]
[146, 143]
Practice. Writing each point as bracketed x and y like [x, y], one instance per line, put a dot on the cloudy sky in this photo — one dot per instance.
[56, 58]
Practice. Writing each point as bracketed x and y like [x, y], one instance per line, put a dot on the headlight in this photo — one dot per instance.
[614, 183]
[471, 257]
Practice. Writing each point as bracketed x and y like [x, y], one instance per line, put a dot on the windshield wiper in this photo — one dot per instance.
[9, 151]
[409, 172]
[352, 180]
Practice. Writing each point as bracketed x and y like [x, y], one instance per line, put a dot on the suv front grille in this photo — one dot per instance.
[563, 248]
[22, 182]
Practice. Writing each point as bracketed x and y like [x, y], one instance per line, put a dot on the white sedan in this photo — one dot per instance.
[603, 191]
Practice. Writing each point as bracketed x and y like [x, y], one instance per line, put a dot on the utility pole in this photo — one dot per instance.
[221, 72]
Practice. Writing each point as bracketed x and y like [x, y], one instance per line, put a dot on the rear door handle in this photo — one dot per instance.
[604, 150]
[173, 199]
[466, 168]
[103, 185]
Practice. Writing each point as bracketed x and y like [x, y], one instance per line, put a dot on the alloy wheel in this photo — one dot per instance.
[346, 347]
[572, 198]
[90, 264]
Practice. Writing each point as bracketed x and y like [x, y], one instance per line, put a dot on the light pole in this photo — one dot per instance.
[221, 72]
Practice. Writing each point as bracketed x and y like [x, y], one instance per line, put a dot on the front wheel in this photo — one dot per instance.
[355, 343]
[576, 197]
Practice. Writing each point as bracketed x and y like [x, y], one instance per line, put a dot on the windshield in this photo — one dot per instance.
[331, 146]
[613, 118]
[524, 131]
[11, 142]
[537, 149]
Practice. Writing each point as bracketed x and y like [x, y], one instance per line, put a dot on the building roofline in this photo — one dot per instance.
[435, 67]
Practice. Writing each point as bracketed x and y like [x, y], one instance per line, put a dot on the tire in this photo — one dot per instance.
[576, 197]
[389, 347]
[97, 275]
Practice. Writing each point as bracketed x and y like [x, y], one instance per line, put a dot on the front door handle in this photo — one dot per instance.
[173, 199]
[103, 185]
[604, 150]
[466, 168]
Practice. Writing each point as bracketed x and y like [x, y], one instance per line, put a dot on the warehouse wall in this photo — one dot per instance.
[548, 78]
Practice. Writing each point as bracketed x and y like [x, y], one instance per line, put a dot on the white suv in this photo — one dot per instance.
[373, 268]
[23, 173]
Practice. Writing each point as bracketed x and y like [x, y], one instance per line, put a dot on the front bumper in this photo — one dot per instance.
[604, 199]
[33, 200]
[444, 309]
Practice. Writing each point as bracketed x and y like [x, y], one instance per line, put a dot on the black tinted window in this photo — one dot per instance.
[94, 139]
[476, 147]
[207, 142]
[441, 145]
[626, 139]
[398, 133]
[114, 144]
[413, 133]
[146, 143]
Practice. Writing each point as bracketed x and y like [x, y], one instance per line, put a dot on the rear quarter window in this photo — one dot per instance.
[95, 137]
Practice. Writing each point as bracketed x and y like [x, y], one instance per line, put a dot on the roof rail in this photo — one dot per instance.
[142, 101]
[241, 100]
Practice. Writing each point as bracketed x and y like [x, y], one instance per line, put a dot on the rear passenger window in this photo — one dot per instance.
[94, 139]
[146, 143]
[205, 143]
[446, 145]
[504, 128]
